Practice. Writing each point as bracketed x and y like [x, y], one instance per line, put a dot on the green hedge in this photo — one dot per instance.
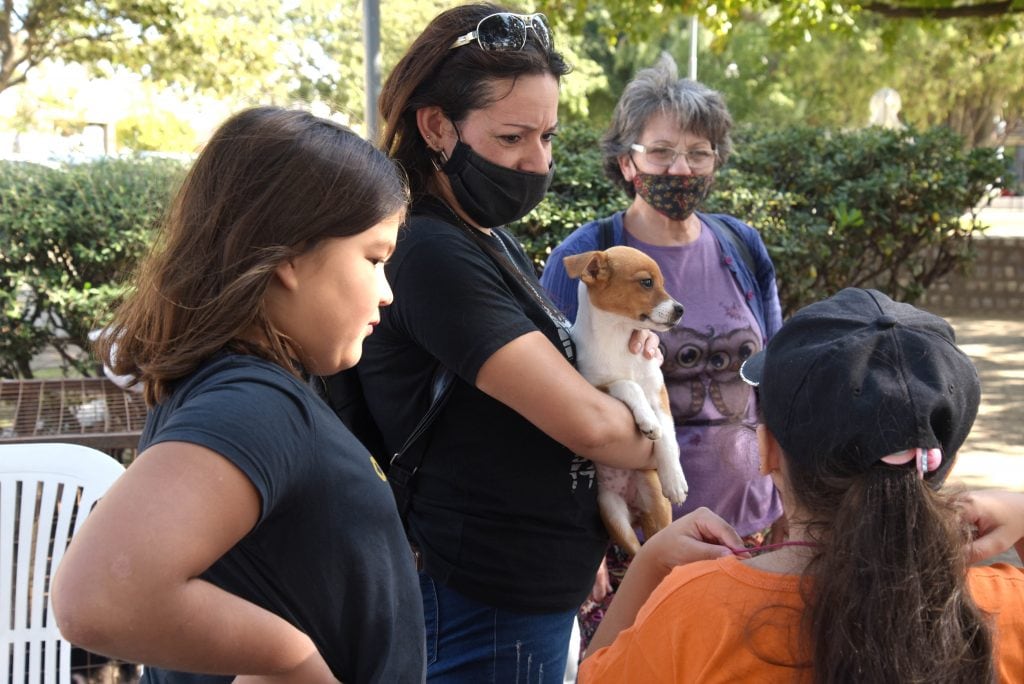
[869, 207]
[69, 237]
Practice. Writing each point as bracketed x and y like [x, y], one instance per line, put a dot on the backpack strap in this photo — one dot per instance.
[730, 234]
[406, 461]
[606, 237]
[605, 233]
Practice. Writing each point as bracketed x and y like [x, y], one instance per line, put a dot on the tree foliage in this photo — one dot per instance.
[69, 238]
[792, 18]
[956, 73]
[819, 63]
[157, 131]
[246, 51]
[88, 32]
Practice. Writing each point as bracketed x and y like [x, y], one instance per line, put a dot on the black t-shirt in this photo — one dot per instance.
[501, 512]
[328, 553]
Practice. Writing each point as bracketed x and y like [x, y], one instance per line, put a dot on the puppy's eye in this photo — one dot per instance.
[647, 283]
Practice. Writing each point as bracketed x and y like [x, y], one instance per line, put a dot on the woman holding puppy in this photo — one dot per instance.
[253, 535]
[667, 138]
[865, 403]
[503, 511]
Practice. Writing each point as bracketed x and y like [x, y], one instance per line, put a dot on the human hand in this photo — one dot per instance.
[313, 670]
[698, 535]
[646, 342]
[602, 583]
[998, 520]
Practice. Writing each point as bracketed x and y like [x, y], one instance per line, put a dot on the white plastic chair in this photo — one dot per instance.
[46, 491]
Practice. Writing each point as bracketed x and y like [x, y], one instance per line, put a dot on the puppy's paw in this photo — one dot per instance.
[673, 484]
[650, 430]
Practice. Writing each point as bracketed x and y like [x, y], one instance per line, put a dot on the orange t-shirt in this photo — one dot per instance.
[724, 621]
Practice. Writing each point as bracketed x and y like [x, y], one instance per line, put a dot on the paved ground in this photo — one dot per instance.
[993, 455]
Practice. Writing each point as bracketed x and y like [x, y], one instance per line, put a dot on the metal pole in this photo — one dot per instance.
[694, 30]
[371, 42]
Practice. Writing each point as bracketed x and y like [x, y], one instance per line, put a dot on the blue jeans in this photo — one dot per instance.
[473, 643]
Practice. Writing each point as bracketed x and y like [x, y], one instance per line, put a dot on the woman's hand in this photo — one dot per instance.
[698, 535]
[998, 519]
[602, 583]
[647, 343]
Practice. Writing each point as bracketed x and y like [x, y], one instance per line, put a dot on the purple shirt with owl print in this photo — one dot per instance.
[713, 408]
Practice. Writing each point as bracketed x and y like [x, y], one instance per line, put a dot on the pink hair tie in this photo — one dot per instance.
[928, 460]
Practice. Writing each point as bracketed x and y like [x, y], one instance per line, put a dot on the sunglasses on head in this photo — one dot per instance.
[507, 31]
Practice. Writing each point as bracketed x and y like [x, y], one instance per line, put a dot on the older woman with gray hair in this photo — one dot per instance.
[667, 138]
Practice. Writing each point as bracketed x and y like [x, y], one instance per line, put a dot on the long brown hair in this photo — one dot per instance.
[268, 185]
[887, 596]
[456, 80]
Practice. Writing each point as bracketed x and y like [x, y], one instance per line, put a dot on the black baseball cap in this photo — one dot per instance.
[857, 376]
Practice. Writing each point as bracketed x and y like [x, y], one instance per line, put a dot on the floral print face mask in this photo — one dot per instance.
[673, 196]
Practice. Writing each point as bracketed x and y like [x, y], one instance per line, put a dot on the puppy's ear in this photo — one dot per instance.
[587, 265]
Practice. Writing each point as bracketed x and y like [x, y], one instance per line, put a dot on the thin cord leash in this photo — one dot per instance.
[771, 547]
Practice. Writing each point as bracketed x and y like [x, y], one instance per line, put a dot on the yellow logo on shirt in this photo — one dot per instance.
[376, 467]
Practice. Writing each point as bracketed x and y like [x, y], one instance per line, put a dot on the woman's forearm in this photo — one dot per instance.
[531, 377]
[643, 577]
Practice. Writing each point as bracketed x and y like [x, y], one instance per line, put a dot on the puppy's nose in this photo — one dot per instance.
[677, 310]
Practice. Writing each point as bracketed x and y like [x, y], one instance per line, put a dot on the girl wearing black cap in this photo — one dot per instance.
[865, 403]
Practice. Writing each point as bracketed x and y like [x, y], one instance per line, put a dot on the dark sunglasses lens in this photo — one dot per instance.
[540, 27]
[502, 32]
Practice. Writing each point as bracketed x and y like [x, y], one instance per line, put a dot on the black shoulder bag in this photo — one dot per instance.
[343, 392]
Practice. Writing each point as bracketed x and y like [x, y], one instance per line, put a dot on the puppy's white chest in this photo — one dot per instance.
[601, 366]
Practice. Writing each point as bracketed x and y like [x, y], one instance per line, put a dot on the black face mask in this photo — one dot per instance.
[490, 194]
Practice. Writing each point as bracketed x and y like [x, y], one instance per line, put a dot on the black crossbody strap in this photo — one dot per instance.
[406, 461]
[439, 391]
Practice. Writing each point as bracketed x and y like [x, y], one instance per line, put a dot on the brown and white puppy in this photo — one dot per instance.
[621, 290]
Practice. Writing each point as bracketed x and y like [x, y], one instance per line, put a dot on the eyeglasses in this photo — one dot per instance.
[698, 160]
[507, 31]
